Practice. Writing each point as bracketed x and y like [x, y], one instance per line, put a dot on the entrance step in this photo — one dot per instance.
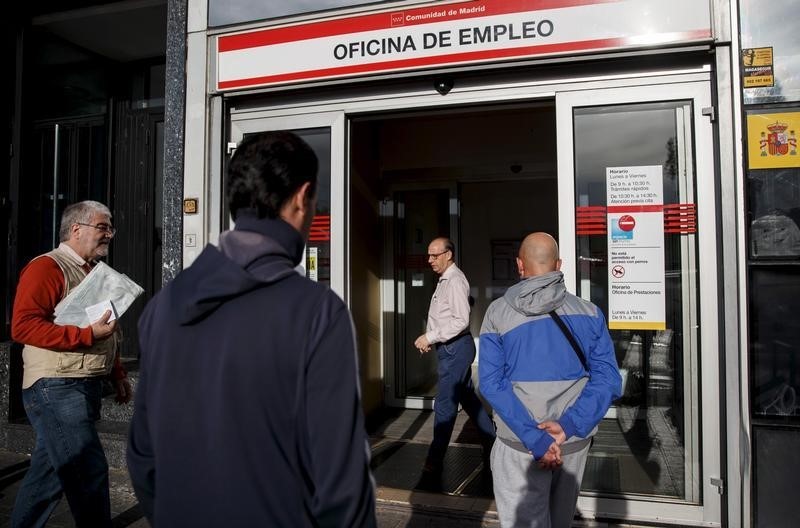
[404, 508]
[397, 464]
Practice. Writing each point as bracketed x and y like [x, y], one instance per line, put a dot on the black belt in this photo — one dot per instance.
[454, 339]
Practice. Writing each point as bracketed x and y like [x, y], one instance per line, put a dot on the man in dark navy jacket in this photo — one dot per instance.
[248, 408]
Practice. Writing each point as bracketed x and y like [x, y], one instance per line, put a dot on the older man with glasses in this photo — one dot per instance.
[448, 330]
[63, 369]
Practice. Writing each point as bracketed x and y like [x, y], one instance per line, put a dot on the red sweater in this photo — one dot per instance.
[40, 288]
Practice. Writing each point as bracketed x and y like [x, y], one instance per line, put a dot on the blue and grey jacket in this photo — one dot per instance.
[529, 373]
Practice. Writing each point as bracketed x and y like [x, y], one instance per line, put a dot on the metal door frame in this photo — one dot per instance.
[708, 512]
[693, 83]
[245, 123]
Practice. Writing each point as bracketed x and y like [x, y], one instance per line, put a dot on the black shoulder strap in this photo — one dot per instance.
[575, 346]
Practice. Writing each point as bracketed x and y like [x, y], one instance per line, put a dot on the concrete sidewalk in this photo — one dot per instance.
[394, 509]
[399, 440]
[124, 506]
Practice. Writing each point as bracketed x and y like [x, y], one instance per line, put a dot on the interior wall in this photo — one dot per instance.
[471, 143]
[366, 245]
[495, 217]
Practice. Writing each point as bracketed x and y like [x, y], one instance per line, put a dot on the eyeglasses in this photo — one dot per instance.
[105, 228]
[437, 255]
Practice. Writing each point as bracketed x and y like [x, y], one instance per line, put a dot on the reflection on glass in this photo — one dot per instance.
[317, 262]
[421, 216]
[649, 445]
[775, 341]
[775, 213]
[318, 249]
[224, 12]
[765, 25]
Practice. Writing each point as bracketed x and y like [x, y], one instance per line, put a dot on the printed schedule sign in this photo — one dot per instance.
[635, 208]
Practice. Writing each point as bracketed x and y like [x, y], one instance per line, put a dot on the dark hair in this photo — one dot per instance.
[449, 246]
[266, 170]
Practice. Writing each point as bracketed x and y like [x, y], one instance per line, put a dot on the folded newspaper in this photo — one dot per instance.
[102, 284]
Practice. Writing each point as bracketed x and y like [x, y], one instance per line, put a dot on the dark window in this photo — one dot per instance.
[775, 340]
[773, 216]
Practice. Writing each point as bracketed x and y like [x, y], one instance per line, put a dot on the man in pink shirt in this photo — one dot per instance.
[448, 330]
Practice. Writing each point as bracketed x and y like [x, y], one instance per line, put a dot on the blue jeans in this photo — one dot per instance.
[455, 386]
[68, 457]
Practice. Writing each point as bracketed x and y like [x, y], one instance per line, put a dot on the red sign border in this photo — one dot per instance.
[383, 20]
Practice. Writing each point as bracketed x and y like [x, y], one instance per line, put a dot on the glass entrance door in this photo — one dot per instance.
[324, 132]
[420, 216]
[65, 164]
[638, 240]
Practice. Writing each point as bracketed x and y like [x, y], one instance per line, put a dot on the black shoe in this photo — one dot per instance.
[431, 478]
[430, 481]
[432, 468]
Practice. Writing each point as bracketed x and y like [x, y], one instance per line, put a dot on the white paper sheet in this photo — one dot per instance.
[95, 312]
[102, 284]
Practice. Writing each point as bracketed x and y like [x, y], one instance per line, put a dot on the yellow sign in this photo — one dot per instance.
[757, 67]
[628, 325]
[772, 140]
[190, 206]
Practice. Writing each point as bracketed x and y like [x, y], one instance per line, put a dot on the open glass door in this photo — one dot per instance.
[419, 213]
[324, 132]
[637, 236]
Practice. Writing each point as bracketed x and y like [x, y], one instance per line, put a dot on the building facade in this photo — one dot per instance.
[656, 141]
[84, 118]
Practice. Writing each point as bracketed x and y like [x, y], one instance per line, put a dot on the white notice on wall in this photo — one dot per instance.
[635, 208]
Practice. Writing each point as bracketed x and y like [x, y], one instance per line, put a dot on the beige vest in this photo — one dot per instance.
[96, 360]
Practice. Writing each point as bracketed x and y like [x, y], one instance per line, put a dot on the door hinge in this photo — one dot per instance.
[719, 484]
[710, 112]
[231, 147]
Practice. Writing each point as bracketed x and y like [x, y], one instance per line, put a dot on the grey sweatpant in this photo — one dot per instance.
[527, 496]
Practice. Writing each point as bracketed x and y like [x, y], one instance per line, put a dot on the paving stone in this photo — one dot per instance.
[399, 444]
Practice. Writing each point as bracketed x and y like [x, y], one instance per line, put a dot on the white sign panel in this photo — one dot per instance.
[477, 31]
[635, 209]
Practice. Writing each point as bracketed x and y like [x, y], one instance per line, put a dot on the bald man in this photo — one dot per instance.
[448, 330]
[548, 395]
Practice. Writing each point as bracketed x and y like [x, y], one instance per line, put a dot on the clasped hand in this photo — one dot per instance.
[552, 457]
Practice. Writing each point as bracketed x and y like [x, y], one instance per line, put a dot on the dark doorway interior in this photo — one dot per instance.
[484, 177]
[88, 124]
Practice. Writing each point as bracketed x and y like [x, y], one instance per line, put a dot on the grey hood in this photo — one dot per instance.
[537, 295]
